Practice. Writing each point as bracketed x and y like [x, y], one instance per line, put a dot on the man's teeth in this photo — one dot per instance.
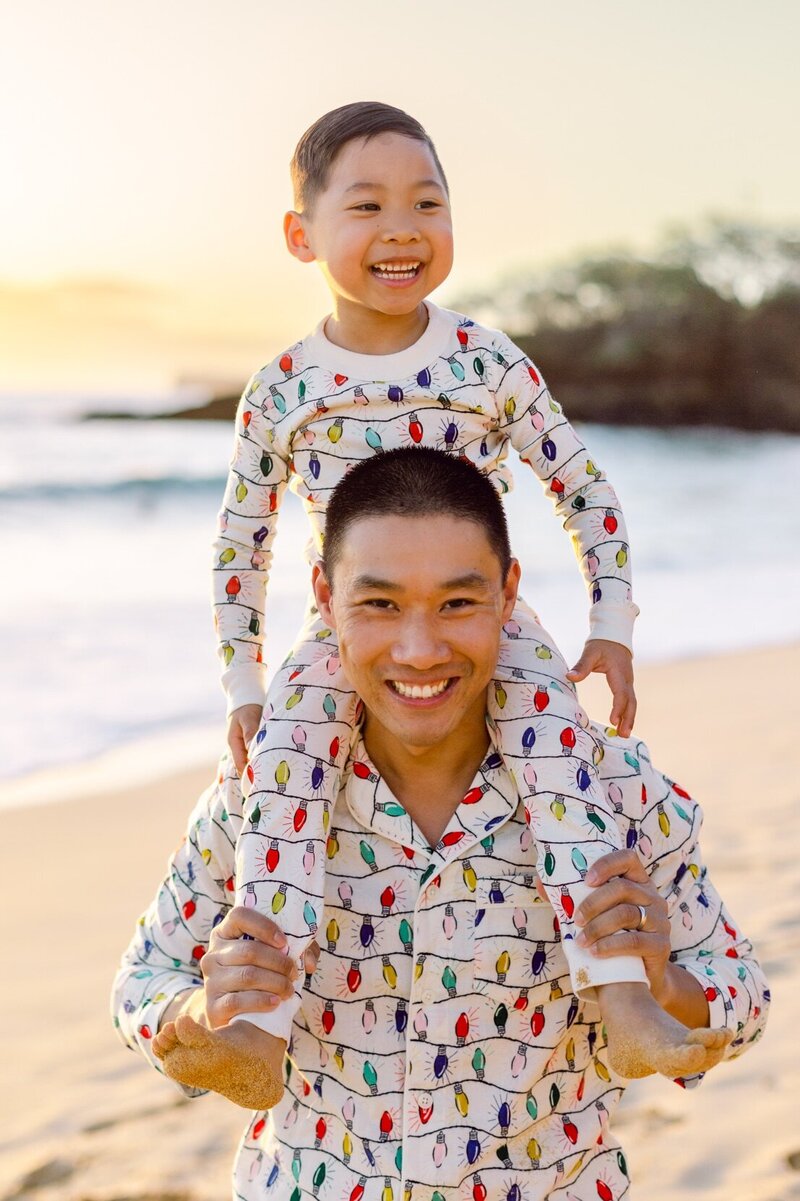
[420, 691]
[396, 270]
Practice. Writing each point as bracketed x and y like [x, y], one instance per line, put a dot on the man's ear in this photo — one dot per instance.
[511, 588]
[296, 233]
[323, 595]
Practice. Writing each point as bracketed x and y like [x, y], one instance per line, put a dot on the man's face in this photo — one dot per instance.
[384, 207]
[418, 604]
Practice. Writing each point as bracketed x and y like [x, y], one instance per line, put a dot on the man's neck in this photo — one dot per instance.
[430, 782]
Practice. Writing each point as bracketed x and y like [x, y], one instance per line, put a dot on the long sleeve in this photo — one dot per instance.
[708, 943]
[163, 957]
[257, 479]
[582, 498]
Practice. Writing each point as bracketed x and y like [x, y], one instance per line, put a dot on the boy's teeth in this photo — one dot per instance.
[419, 691]
[398, 270]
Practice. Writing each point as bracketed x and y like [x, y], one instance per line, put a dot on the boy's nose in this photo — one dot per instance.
[400, 231]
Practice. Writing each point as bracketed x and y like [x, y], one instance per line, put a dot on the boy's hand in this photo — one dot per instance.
[243, 726]
[615, 662]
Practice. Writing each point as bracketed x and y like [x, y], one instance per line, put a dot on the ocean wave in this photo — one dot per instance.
[131, 487]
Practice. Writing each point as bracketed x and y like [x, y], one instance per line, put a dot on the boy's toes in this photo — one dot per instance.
[713, 1040]
[165, 1041]
[190, 1033]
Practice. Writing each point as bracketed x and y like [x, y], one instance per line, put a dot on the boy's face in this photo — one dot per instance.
[384, 207]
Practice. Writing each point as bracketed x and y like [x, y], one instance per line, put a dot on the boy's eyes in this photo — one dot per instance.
[370, 206]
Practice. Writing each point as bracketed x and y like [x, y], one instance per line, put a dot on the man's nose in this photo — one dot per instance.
[419, 645]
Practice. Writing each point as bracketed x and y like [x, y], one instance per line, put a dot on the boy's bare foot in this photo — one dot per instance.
[240, 1061]
[643, 1038]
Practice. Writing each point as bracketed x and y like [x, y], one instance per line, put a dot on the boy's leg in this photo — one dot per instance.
[547, 741]
[291, 784]
[548, 744]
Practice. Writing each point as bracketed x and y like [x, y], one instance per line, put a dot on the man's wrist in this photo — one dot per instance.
[681, 995]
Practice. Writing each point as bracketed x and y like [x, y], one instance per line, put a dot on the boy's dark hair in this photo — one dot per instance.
[318, 147]
[414, 482]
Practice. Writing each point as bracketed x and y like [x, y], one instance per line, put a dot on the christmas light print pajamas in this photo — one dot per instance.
[440, 1053]
[303, 420]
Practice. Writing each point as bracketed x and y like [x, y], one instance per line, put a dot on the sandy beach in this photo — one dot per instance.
[85, 1120]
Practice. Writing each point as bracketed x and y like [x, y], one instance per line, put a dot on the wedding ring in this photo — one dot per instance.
[642, 917]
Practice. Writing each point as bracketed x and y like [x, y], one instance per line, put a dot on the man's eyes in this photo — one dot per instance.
[384, 604]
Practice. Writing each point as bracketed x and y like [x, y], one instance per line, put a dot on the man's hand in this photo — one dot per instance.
[615, 662]
[243, 726]
[241, 975]
[610, 915]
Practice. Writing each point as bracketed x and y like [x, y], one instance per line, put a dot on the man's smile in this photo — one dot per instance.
[431, 690]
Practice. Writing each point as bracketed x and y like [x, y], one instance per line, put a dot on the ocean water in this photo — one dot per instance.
[106, 528]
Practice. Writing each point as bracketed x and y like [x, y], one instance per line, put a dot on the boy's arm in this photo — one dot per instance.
[257, 479]
[582, 498]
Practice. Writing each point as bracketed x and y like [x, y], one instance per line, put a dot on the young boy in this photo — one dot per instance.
[388, 368]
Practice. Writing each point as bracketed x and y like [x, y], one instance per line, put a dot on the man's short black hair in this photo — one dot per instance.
[414, 482]
[318, 147]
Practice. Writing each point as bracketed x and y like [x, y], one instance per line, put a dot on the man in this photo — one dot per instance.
[440, 1051]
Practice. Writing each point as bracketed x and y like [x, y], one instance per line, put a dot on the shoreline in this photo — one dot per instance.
[79, 873]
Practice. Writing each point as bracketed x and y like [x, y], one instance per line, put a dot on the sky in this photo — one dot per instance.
[145, 149]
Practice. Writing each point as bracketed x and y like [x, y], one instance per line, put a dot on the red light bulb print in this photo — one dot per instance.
[328, 1017]
[233, 588]
[462, 1029]
[273, 856]
[567, 739]
[610, 522]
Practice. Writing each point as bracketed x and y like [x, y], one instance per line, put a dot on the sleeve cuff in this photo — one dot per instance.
[248, 686]
[587, 971]
[277, 1022]
[614, 622]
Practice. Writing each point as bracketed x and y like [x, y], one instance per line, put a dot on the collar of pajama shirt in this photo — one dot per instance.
[439, 1052]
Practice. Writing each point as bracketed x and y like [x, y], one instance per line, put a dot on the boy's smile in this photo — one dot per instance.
[382, 234]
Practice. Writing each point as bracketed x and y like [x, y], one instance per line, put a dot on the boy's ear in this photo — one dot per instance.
[294, 230]
[323, 595]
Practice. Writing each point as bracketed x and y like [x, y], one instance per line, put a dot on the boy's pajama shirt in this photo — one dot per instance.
[440, 1052]
[303, 420]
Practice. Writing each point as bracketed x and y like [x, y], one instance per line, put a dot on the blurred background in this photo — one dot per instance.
[626, 198]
